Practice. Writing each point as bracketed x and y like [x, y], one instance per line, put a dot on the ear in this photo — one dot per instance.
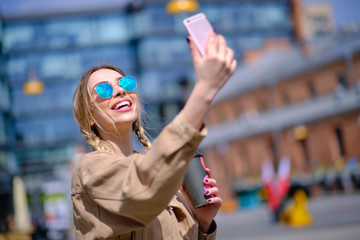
[92, 123]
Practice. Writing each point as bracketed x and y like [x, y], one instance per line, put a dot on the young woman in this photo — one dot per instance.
[118, 193]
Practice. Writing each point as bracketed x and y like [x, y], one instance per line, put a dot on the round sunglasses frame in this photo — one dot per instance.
[105, 89]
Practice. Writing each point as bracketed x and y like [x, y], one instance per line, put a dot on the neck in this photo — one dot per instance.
[123, 139]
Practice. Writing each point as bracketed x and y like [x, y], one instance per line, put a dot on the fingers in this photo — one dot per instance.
[215, 198]
[216, 67]
[217, 201]
[195, 53]
[221, 46]
[214, 192]
[230, 61]
[217, 48]
[229, 56]
[208, 172]
[233, 66]
[210, 181]
[211, 45]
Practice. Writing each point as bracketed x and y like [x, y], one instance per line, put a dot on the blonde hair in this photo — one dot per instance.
[82, 113]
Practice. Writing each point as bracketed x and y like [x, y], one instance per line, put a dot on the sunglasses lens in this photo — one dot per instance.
[104, 90]
[128, 83]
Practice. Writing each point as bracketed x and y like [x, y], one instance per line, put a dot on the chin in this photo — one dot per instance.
[125, 120]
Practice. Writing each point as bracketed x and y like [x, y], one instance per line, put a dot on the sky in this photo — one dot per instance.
[345, 11]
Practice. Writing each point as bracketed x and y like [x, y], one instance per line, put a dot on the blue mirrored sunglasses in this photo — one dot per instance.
[105, 90]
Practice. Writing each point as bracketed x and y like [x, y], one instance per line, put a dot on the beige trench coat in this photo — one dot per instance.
[137, 197]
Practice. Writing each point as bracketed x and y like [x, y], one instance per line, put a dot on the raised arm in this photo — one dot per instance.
[212, 72]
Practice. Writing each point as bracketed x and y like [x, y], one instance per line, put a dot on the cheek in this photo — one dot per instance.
[138, 105]
[99, 114]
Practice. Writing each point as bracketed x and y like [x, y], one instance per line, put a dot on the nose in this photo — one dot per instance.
[118, 91]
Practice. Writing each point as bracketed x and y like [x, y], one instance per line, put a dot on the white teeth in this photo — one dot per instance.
[122, 104]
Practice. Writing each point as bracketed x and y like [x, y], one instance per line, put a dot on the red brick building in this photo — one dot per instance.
[297, 102]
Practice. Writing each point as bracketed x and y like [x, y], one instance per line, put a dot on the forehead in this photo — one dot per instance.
[103, 75]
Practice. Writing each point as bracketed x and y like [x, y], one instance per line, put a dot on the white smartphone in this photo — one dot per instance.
[199, 28]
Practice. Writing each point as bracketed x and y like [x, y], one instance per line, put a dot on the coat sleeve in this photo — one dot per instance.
[211, 235]
[139, 187]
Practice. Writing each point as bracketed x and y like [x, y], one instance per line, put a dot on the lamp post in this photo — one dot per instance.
[182, 6]
[33, 86]
[301, 133]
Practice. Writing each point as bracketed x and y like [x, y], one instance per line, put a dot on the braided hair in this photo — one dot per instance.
[82, 104]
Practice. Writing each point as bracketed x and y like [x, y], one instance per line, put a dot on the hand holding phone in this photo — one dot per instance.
[199, 28]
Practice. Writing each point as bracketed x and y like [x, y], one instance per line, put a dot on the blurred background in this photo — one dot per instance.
[284, 133]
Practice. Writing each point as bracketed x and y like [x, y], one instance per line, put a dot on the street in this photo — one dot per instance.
[335, 217]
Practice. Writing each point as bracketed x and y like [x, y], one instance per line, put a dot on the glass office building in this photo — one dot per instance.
[38, 133]
[148, 43]
[164, 59]
[8, 163]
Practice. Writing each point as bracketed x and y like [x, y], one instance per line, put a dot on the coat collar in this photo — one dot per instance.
[179, 205]
[111, 147]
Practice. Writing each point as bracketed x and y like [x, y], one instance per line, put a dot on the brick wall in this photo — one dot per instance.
[242, 158]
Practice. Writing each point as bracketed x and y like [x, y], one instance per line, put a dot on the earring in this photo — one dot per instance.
[92, 123]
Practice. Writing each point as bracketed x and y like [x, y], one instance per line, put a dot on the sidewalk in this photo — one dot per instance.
[334, 218]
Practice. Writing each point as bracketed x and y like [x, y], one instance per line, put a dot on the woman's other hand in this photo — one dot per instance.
[206, 214]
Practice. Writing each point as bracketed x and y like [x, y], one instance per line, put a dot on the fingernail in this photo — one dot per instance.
[206, 180]
[209, 200]
[188, 39]
[207, 192]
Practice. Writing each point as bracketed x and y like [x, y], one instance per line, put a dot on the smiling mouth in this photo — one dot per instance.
[121, 105]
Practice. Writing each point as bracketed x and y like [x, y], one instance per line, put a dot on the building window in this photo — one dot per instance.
[341, 87]
[312, 90]
[285, 98]
[342, 80]
[273, 150]
[340, 139]
[262, 105]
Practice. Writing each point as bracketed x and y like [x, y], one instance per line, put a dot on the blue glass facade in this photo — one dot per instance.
[59, 50]
[7, 139]
[164, 58]
[38, 134]
[149, 44]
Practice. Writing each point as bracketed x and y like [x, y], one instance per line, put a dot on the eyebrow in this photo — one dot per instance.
[108, 81]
